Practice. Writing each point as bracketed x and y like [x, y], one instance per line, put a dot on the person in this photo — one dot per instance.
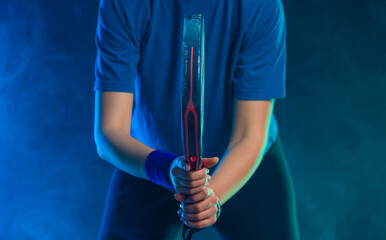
[137, 128]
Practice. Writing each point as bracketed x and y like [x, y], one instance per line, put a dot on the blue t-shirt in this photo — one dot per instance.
[138, 43]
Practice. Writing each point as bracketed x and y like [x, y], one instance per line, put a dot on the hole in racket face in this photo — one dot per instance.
[191, 137]
[193, 160]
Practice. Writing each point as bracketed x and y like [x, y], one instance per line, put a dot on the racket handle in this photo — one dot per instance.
[187, 232]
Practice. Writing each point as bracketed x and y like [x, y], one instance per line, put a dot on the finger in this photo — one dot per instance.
[198, 196]
[190, 191]
[200, 224]
[201, 205]
[180, 172]
[209, 162]
[198, 216]
[195, 183]
[180, 197]
[190, 175]
[199, 174]
[182, 164]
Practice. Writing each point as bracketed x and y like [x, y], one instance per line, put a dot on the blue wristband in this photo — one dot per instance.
[157, 168]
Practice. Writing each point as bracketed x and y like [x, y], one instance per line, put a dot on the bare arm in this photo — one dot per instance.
[245, 150]
[113, 111]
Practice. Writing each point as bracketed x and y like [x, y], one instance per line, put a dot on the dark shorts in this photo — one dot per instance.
[265, 208]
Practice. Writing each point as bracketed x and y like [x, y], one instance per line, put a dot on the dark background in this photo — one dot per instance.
[53, 184]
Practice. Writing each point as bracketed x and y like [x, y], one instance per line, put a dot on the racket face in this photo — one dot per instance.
[192, 88]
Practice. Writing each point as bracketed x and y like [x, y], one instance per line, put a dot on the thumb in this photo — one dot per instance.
[209, 162]
[181, 163]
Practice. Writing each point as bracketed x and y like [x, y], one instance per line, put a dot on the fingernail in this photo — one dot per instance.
[206, 184]
[180, 205]
[208, 178]
[207, 170]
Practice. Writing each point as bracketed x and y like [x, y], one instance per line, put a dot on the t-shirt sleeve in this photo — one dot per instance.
[260, 67]
[117, 41]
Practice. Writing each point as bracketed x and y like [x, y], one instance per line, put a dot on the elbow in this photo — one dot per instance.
[100, 152]
[99, 143]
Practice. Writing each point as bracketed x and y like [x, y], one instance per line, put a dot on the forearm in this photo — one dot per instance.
[123, 151]
[239, 163]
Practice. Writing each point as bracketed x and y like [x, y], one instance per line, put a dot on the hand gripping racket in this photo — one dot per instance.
[192, 95]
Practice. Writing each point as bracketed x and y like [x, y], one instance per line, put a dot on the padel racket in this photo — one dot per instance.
[192, 94]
